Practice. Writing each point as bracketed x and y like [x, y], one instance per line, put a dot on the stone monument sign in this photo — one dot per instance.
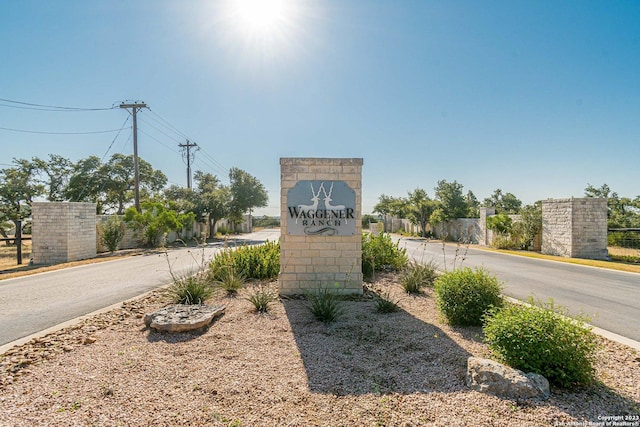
[321, 242]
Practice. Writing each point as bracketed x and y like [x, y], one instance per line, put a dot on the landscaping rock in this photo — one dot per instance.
[182, 317]
[488, 376]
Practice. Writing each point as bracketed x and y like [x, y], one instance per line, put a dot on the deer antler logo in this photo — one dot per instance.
[315, 199]
[328, 200]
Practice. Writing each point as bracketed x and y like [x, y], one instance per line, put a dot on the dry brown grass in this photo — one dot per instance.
[8, 255]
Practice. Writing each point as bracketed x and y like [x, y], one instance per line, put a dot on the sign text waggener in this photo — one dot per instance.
[321, 207]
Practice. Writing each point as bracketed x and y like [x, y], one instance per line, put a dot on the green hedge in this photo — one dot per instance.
[252, 262]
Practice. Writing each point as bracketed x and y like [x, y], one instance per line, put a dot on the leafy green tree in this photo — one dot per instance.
[18, 187]
[214, 199]
[473, 206]
[57, 170]
[119, 181]
[623, 212]
[154, 221]
[85, 183]
[500, 223]
[247, 193]
[111, 185]
[182, 199]
[505, 203]
[451, 202]
[529, 225]
[420, 208]
[389, 205]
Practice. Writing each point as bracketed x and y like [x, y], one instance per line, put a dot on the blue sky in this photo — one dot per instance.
[536, 98]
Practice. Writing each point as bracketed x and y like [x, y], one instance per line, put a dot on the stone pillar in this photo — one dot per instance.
[63, 231]
[483, 237]
[575, 228]
[321, 225]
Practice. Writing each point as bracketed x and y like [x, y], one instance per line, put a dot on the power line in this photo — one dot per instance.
[212, 162]
[180, 135]
[159, 130]
[50, 107]
[103, 157]
[210, 157]
[175, 129]
[158, 141]
[115, 138]
[59, 133]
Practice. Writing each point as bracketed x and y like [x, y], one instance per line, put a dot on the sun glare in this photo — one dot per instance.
[262, 31]
[261, 17]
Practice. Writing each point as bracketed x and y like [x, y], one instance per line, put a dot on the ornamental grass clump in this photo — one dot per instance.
[418, 276]
[384, 303]
[324, 304]
[229, 280]
[261, 297]
[540, 338]
[190, 290]
[464, 295]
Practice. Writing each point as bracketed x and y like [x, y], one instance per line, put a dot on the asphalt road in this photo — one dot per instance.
[34, 303]
[610, 298]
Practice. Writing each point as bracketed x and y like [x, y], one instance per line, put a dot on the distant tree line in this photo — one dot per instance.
[110, 186]
[450, 202]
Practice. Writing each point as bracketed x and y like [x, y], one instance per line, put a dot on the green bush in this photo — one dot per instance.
[324, 304]
[539, 338]
[112, 232]
[502, 241]
[623, 239]
[190, 290]
[224, 231]
[417, 276]
[464, 295]
[380, 253]
[252, 262]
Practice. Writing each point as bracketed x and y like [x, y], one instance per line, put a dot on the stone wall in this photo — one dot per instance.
[309, 262]
[463, 230]
[484, 237]
[63, 231]
[575, 228]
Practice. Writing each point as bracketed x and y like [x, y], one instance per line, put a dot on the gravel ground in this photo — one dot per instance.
[286, 369]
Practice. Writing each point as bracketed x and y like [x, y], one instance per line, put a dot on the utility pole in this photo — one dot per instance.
[136, 166]
[189, 156]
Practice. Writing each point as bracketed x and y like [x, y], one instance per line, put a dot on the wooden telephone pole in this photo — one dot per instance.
[136, 166]
[189, 157]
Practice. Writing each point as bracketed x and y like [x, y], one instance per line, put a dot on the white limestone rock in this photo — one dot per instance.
[182, 317]
[488, 376]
